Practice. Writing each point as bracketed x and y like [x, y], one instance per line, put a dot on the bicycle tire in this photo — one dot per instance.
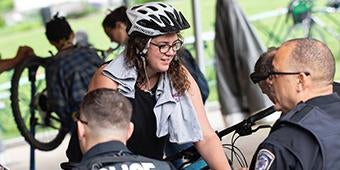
[19, 114]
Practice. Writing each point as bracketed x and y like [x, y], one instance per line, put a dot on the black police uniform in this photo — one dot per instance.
[336, 87]
[306, 138]
[115, 155]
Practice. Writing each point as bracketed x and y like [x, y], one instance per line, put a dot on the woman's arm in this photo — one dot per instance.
[99, 80]
[210, 147]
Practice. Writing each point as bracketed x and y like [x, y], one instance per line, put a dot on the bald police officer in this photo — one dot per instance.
[306, 136]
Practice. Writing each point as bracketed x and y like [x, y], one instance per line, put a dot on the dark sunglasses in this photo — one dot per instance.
[257, 77]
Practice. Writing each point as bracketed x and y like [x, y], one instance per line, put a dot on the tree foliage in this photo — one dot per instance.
[6, 5]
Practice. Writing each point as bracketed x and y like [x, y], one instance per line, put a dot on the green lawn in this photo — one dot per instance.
[12, 37]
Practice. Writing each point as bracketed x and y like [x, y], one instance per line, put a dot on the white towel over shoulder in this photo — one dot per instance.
[175, 115]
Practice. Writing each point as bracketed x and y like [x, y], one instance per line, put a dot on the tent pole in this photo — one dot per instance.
[198, 32]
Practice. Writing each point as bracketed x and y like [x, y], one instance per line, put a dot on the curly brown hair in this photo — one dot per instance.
[176, 71]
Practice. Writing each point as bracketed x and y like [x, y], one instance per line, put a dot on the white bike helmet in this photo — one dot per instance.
[155, 18]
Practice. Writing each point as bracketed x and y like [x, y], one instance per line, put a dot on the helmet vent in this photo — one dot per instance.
[152, 8]
[133, 8]
[164, 6]
[155, 18]
[165, 20]
[142, 11]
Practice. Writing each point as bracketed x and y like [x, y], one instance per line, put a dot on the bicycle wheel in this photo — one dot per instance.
[42, 129]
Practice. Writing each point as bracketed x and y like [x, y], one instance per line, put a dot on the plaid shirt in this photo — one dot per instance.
[67, 77]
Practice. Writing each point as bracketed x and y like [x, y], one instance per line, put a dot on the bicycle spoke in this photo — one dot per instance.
[53, 127]
[55, 118]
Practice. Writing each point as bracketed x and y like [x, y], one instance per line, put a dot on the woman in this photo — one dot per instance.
[166, 99]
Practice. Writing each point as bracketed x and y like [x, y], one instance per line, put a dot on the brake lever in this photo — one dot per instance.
[245, 129]
[261, 127]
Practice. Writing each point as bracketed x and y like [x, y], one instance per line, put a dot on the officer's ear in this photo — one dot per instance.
[82, 136]
[81, 130]
[130, 130]
[303, 81]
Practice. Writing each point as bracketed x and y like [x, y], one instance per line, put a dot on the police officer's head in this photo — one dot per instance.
[302, 69]
[262, 71]
[104, 115]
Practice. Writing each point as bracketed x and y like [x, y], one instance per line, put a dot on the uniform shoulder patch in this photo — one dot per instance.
[264, 159]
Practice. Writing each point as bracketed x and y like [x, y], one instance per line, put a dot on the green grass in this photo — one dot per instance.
[32, 33]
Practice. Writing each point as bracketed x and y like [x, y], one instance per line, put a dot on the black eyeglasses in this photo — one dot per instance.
[76, 117]
[257, 77]
[287, 73]
[164, 48]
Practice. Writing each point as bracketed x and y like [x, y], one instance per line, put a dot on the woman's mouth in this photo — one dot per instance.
[167, 60]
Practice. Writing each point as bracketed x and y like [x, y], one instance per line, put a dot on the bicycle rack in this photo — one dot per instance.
[31, 74]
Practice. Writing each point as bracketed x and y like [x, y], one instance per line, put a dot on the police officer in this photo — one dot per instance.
[336, 87]
[306, 135]
[262, 70]
[103, 128]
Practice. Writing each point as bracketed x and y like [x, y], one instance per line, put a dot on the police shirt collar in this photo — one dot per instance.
[106, 147]
[326, 99]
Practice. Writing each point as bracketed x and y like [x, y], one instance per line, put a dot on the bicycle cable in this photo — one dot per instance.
[238, 153]
[233, 141]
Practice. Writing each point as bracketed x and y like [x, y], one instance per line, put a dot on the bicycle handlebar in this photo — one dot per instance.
[243, 128]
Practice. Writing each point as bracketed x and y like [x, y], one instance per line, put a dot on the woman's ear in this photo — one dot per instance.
[120, 25]
[72, 36]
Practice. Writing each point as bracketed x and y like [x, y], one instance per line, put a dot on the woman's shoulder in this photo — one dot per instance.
[99, 80]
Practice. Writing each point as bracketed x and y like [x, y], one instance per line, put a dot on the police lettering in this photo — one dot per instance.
[132, 166]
